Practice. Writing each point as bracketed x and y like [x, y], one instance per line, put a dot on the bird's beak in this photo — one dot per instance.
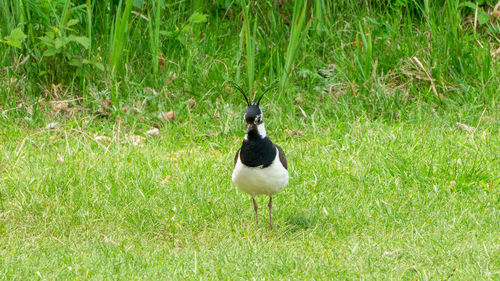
[249, 127]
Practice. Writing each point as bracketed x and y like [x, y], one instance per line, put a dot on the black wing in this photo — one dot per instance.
[236, 156]
[282, 157]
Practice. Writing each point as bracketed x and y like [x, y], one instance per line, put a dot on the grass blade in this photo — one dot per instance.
[249, 47]
[297, 34]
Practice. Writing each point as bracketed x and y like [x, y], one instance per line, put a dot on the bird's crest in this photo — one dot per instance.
[245, 95]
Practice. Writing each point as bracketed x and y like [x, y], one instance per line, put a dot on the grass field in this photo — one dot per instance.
[388, 112]
[367, 199]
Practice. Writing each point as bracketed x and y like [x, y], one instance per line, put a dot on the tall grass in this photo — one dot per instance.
[370, 46]
[298, 31]
[249, 34]
[118, 44]
[154, 34]
[88, 6]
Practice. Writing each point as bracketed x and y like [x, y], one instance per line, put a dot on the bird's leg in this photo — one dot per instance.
[255, 207]
[270, 205]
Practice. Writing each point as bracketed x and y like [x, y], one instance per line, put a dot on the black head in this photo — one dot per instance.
[253, 114]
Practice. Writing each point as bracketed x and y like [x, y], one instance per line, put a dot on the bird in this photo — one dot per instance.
[260, 166]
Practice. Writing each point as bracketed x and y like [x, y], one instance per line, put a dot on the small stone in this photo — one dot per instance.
[171, 77]
[153, 132]
[102, 138]
[464, 127]
[151, 90]
[62, 106]
[13, 81]
[295, 132]
[106, 102]
[52, 125]
[191, 103]
[137, 140]
[169, 116]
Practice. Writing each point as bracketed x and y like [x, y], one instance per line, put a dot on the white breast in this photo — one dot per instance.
[258, 180]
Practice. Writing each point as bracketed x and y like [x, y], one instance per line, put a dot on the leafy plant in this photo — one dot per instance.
[56, 42]
[15, 38]
[482, 16]
[180, 33]
[57, 45]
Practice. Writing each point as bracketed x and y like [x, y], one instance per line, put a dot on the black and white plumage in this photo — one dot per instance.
[260, 166]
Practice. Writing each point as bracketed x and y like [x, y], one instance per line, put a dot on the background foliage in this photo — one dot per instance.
[378, 54]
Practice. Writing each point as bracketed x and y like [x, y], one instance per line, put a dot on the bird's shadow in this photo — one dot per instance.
[297, 222]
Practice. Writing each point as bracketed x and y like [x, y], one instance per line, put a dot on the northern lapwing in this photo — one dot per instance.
[260, 166]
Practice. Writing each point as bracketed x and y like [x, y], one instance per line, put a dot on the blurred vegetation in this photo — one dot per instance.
[379, 55]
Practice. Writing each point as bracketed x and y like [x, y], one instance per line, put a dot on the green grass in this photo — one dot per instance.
[366, 200]
[384, 184]
[125, 46]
